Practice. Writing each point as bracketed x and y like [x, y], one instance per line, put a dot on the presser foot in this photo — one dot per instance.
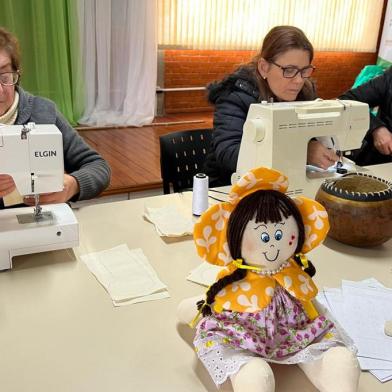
[37, 216]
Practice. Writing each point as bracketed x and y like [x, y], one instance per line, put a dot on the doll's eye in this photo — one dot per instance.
[265, 237]
[278, 235]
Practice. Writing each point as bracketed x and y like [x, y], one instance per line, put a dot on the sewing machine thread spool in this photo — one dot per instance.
[200, 194]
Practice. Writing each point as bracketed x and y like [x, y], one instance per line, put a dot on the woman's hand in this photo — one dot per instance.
[320, 156]
[71, 188]
[7, 184]
[382, 139]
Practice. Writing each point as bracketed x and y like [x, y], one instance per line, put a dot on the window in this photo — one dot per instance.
[331, 25]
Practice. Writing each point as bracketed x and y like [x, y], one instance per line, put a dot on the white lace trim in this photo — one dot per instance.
[223, 361]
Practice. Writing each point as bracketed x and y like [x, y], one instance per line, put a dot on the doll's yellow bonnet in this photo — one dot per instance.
[210, 231]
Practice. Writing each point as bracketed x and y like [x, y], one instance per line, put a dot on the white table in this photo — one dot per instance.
[60, 332]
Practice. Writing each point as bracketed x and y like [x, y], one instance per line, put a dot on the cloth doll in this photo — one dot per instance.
[260, 308]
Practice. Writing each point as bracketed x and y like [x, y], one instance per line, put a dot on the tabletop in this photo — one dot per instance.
[59, 330]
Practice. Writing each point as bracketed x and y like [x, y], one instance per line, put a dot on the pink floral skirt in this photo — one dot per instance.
[280, 333]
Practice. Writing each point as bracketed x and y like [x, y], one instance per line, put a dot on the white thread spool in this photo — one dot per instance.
[200, 194]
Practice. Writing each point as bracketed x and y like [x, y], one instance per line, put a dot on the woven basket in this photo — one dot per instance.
[359, 209]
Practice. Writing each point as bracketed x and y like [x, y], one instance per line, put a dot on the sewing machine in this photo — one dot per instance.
[277, 134]
[33, 155]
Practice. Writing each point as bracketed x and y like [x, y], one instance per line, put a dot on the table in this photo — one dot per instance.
[60, 332]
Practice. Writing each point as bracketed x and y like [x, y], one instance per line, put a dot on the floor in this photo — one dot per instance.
[133, 153]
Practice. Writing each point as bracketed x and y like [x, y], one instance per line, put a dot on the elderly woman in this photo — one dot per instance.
[279, 72]
[86, 173]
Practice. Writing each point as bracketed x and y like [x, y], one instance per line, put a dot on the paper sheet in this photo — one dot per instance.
[362, 309]
[126, 275]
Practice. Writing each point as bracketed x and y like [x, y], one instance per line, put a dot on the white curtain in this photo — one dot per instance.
[119, 46]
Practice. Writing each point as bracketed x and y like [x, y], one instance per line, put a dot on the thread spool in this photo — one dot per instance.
[200, 194]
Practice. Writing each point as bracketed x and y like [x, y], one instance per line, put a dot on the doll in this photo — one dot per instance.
[260, 309]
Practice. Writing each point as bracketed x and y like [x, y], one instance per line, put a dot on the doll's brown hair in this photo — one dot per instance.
[264, 206]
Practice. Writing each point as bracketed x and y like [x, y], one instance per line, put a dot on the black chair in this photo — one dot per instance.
[182, 156]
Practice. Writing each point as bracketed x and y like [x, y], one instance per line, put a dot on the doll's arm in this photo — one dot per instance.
[187, 310]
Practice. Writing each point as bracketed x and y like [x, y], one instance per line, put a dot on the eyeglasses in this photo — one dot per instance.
[291, 71]
[9, 78]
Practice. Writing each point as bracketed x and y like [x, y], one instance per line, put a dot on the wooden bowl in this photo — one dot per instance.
[359, 209]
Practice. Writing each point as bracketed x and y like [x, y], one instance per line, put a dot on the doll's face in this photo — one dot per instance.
[269, 245]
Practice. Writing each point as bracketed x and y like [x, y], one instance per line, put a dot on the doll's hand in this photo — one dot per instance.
[320, 156]
[187, 310]
[382, 139]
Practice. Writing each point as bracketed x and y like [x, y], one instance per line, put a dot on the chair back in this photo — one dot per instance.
[182, 156]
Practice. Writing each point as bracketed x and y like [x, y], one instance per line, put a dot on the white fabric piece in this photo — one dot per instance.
[13, 198]
[145, 298]
[126, 275]
[204, 274]
[119, 43]
[169, 221]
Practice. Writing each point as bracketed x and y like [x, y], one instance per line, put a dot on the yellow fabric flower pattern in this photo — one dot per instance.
[255, 292]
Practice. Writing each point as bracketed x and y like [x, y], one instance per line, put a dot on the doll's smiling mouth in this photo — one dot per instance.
[265, 255]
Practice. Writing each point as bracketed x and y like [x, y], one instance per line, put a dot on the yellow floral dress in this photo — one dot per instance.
[266, 317]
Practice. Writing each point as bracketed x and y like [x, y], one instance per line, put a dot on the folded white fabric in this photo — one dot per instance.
[126, 275]
[205, 274]
[169, 221]
[12, 198]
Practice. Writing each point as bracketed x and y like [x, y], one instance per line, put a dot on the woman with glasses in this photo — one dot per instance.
[279, 72]
[86, 173]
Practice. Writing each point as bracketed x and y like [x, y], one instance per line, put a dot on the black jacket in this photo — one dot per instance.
[232, 98]
[376, 92]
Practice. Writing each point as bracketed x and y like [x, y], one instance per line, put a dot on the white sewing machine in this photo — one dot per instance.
[276, 135]
[33, 156]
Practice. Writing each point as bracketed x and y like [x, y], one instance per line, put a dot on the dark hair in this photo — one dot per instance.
[278, 40]
[264, 206]
[10, 44]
